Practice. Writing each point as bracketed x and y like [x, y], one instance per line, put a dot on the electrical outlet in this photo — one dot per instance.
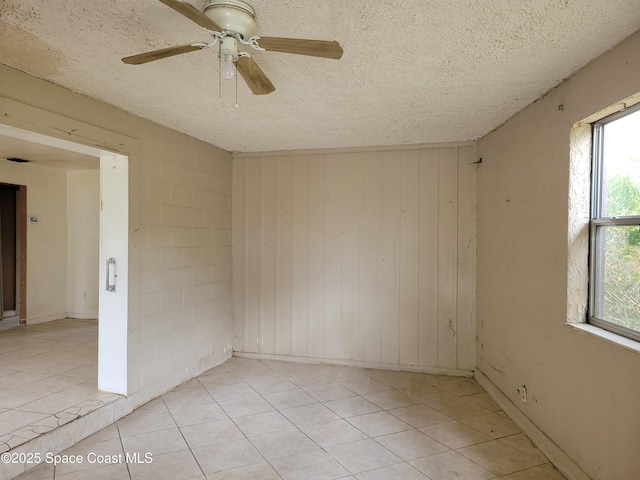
[523, 393]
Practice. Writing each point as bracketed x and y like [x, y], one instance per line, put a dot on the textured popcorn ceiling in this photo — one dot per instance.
[413, 71]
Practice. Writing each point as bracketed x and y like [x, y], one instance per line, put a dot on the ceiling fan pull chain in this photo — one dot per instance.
[236, 92]
[219, 77]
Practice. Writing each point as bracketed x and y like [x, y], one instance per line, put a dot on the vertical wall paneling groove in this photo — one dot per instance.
[300, 255]
[268, 277]
[316, 274]
[284, 236]
[365, 256]
[239, 254]
[370, 249]
[389, 262]
[334, 221]
[252, 294]
[447, 261]
[350, 269]
[428, 258]
[409, 256]
[467, 191]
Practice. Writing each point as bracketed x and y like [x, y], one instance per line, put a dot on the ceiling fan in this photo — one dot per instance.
[231, 22]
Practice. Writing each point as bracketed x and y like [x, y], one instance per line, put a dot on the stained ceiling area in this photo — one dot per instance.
[412, 72]
[24, 151]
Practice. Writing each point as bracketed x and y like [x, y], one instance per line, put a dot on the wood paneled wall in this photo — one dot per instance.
[364, 256]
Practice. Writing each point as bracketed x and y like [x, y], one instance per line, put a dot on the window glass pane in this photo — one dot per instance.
[617, 278]
[621, 167]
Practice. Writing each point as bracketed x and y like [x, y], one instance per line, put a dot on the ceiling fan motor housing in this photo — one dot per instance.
[229, 49]
[232, 15]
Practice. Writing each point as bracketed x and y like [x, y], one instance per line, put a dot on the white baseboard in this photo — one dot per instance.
[48, 318]
[570, 469]
[356, 363]
[83, 316]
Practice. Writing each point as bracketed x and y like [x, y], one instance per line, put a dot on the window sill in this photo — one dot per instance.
[610, 337]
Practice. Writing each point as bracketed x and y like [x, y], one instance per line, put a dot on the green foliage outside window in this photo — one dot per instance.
[622, 257]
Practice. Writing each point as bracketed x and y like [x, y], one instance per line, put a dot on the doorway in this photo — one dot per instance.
[113, 240]
[12, 253]
[8, 248]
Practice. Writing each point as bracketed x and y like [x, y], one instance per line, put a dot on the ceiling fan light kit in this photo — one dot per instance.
[228, 56]
[230, 22]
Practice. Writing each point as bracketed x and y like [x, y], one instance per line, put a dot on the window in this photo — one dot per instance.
[615, 225]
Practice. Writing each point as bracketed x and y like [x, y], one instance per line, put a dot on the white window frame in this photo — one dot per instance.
[599, 221]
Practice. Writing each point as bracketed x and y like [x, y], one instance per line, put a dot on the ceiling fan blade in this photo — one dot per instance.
[299, 46]
[257, 81]
[159, 54]
[193, 14]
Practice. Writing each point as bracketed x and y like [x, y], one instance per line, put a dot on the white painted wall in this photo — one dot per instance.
[83, 236]
[185, 260]
[357, 256]
[179, 283]
[583, 390]
[46, 240]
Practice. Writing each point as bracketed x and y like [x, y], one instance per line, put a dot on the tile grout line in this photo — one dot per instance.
[182, 435]
[123, 450]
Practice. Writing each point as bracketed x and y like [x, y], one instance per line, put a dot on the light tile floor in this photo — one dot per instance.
[9, 322]
[48, 377]
[263, 420]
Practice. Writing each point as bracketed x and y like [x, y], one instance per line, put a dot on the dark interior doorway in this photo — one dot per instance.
[13, 251]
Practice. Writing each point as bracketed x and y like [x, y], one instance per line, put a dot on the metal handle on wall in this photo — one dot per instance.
[111, 275]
